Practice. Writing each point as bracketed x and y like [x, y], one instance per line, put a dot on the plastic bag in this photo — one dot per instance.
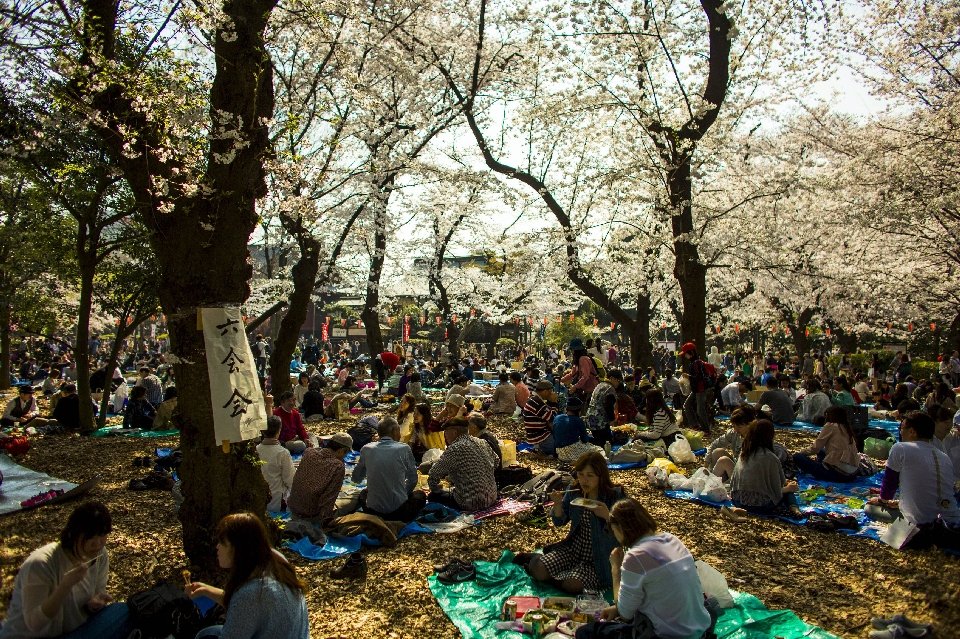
[695, 438]
[680, 451]
[706, 485]
[878, 448]
[431, 456]
[714, 584]
[657, 476]
[678, 481]
[667, 465]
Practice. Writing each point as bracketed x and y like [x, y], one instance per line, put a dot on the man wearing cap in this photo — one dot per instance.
[468, 464]
[23, 408]
[538, 418]
[452, 407]
[316, 485]
[391, 473]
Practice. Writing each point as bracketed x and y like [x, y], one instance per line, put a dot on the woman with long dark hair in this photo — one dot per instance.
[758, 483]
[661, 420]
[837, 457]
[263, 596]
[581, 561]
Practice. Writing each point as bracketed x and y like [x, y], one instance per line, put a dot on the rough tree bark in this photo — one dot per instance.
[304, 274]
[370, 315]
[199, 237]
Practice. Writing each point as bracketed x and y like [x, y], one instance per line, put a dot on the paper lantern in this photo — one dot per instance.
[571, 317]
[933, 327]
[595, 321]
[910, 327]
[807, 332]
[613, 325]
[828, 332]
[736, 329]
[786, 330]
[889, 326]
[545, 320]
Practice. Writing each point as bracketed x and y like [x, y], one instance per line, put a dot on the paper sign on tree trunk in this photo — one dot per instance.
[239, 413]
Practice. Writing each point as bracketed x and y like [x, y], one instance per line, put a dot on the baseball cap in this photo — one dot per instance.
[344, 440]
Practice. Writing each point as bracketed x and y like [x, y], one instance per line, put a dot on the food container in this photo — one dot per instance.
[561, 606]
[508, 449]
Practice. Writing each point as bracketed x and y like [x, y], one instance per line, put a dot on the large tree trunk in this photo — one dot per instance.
[798, 331]
[453, 339]
[5, 317]
[199, 235]
[304, 275]
[641, 349]
[691, 274]
[110, 365]
[370, 314]
[82, 347]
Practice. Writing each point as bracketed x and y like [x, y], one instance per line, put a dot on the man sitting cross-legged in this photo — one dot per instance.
[391, 473]
[467, 463]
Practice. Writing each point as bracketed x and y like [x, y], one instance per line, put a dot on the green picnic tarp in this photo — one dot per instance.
[119, 431]
[474, 606]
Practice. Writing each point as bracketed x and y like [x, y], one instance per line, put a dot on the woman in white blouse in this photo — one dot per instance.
[657, 592]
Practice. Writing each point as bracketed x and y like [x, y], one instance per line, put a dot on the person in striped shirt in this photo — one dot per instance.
[538, 418]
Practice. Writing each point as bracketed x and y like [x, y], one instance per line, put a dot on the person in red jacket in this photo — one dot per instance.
[292, 433]
[383, 365]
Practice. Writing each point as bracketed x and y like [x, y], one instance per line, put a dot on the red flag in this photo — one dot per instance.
[406, 332]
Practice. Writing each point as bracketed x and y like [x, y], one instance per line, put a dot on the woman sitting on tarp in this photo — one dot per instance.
[662, 423]
[837, 457]
[757, 482]
[657, 591]
[581, 561]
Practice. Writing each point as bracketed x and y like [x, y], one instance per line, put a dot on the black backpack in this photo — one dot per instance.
[164, 610]
[363, 433]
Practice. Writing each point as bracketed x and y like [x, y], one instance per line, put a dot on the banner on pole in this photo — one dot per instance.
[239, 413]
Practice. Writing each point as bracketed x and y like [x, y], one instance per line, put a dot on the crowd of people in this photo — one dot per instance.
[570, 404]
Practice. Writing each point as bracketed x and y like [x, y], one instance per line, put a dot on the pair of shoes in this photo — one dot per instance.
[895, 631]
[41, 498]
[905, 627]
[355, 567]
[733, 514]
[457, 572]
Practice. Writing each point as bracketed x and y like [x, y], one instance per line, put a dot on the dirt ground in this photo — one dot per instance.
[830, 580]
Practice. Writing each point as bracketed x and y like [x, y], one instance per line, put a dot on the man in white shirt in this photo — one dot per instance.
[924, 476]
[732, 395]
[277, 466]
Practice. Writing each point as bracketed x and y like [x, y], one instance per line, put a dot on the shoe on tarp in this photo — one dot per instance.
[457, 574]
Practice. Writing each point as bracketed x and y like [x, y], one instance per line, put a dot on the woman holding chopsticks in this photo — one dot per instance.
[61, 589]
[581, 560]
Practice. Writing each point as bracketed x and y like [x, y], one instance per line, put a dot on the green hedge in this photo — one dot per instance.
[922, 369]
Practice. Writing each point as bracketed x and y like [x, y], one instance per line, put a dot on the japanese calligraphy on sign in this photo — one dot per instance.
[238, 410]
